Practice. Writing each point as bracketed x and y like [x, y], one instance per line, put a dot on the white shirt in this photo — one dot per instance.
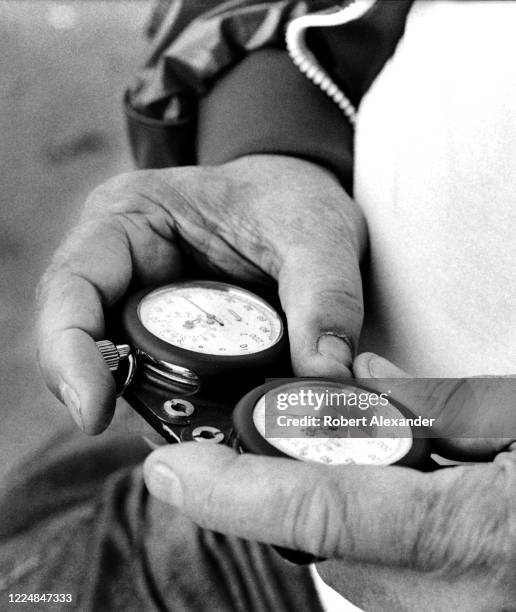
[435, 173]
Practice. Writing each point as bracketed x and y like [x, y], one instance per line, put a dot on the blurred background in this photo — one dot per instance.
[63, 70]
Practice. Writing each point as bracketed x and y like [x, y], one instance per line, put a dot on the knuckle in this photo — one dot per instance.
[427, 550]
[51, 282]
[121, 190]
[208, 507]
[346, 298]
[313, 518]
[505, 575]
[128, 181]
[208, 504]
[321, 290]
[468, 526]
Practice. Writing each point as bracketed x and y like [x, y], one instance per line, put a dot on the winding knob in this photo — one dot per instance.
[113, 353]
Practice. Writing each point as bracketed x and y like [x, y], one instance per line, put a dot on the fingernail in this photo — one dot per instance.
[72, 401]
[335, 347]
[381, 368]
[165, 485]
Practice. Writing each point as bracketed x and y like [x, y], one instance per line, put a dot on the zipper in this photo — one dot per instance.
[306, 61]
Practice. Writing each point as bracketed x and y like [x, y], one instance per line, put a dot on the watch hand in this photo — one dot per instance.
[211, 317]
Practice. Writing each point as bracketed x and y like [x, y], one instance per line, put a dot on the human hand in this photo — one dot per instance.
[395, 538]
[255, 219]
[475, 416]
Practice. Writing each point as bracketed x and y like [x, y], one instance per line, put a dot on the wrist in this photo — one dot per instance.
[290, 164]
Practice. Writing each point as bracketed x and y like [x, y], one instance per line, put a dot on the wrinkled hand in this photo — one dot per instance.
[409, 540]
[474, 417]
[251, 220]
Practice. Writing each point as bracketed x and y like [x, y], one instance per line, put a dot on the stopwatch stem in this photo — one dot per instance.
[112, 353]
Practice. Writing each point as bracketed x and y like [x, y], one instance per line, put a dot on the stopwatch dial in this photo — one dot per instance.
[214, 319]
[375, 450]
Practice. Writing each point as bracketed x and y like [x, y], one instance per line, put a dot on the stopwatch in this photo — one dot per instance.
[347, 437]
[190, 349]
[256, 430]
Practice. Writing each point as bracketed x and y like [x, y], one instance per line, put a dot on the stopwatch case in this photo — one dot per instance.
[250, 440]
[206, 366]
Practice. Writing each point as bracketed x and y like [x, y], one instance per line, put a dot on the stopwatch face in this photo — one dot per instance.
[211, 318]
[374, 450]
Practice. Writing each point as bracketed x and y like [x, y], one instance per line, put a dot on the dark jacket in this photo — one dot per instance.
[219, 83]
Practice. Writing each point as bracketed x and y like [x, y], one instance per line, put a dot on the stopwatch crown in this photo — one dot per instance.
[113, 353]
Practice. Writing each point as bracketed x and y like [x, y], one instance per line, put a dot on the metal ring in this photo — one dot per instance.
[131, 371]
[168, 375]
[215, 435]
[170, 408]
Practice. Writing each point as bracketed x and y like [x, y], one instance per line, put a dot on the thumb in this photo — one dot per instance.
[321, 294]
[329, 511]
